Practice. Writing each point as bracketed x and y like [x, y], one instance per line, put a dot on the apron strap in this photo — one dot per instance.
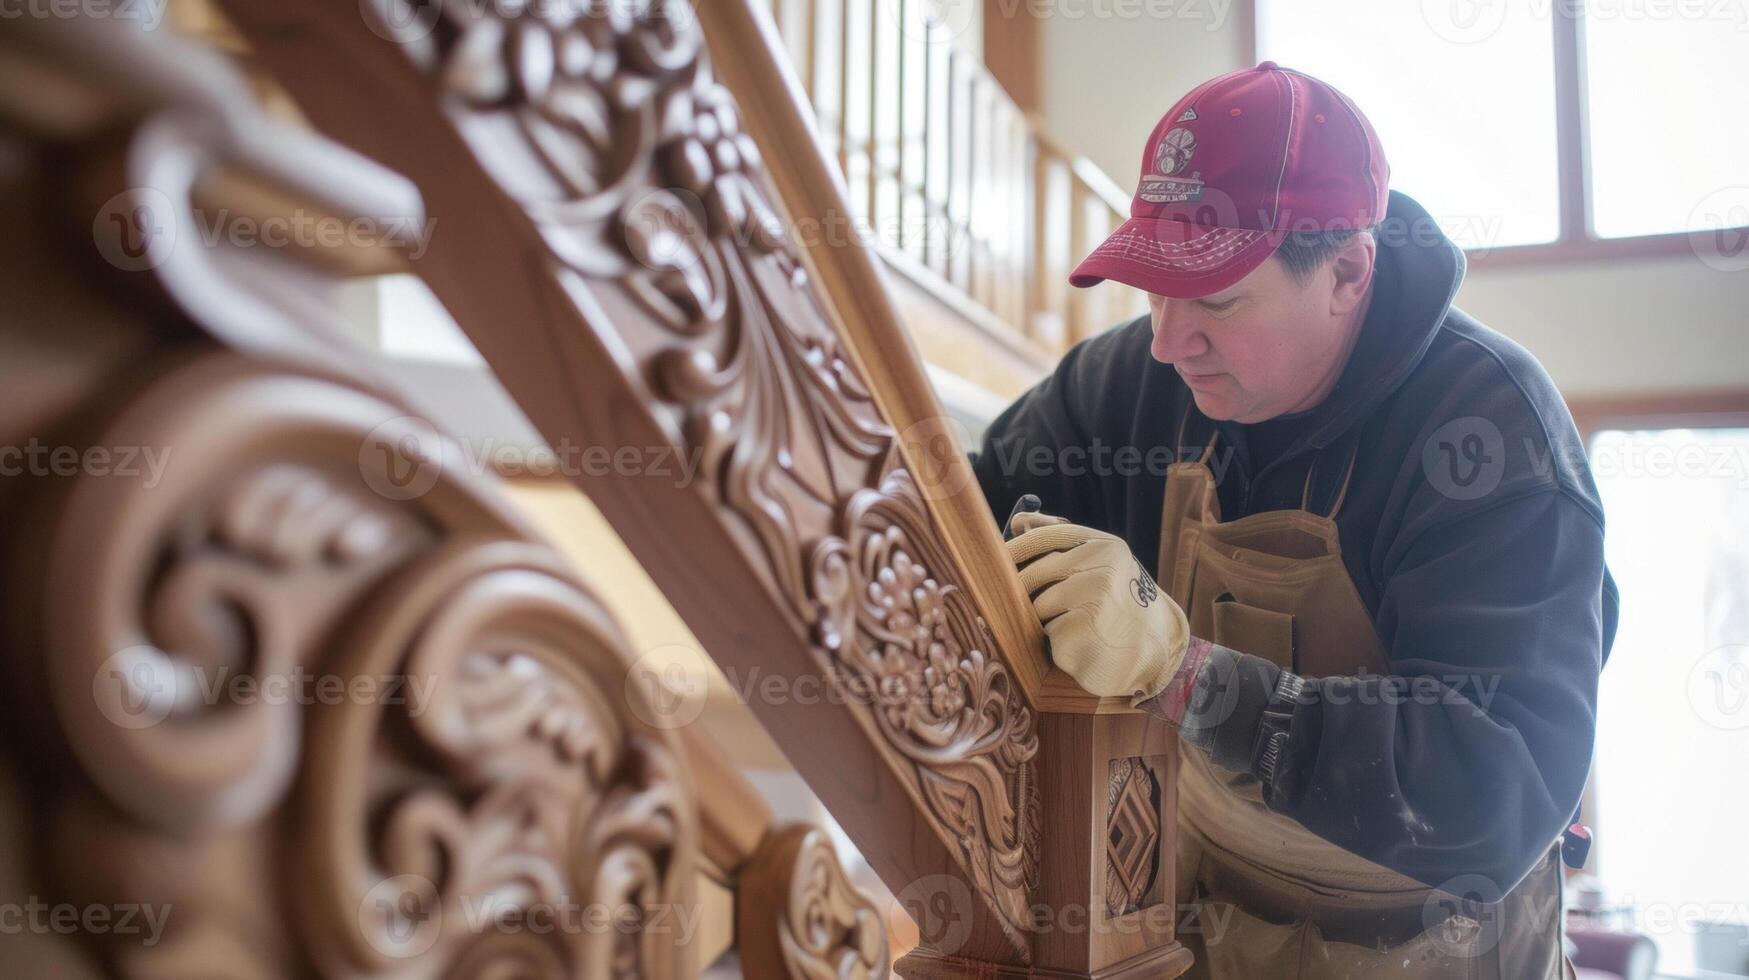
[1341, 494]
[1178, 443]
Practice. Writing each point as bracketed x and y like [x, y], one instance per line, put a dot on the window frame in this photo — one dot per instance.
[1576, 241]
[1725, 408]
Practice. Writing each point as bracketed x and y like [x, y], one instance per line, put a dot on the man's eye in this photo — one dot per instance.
[1221, 309]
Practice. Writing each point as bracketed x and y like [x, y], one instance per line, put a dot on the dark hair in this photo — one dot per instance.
[1305, 252]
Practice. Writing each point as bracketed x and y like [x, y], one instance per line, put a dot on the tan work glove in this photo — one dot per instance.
[1111, 628]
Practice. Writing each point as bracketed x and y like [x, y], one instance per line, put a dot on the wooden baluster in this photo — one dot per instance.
[1053, 244]
[938, 147]
[914, 128]
[886, 90]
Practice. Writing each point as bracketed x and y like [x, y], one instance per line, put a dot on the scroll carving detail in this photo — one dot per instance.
[488, 766]
[648, 185]
[801, 915]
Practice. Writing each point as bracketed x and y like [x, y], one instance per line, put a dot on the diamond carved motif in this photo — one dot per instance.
[1132, 851]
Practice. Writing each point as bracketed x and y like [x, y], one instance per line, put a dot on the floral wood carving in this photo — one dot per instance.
[645, 182]
[478, 758]
[823, 929]
[494, 761]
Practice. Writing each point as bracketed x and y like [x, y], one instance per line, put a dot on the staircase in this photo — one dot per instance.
[623, 217]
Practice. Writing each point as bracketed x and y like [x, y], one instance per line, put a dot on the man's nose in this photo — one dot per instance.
[1175, 337]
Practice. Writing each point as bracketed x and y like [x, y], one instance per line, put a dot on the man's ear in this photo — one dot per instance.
[1351, 268]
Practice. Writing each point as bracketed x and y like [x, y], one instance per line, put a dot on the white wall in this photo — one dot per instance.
[1112, 67]
[1643, 325]
[1621, 326]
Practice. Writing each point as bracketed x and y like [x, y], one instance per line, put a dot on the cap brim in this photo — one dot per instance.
[1176, 259]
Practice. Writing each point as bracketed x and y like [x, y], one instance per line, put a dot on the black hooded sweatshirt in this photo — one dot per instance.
[1471, 528]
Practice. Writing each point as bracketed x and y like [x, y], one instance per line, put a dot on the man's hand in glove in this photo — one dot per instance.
[1110, 626]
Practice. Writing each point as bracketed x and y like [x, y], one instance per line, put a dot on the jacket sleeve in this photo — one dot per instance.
[1034, 445]
[1469, 758]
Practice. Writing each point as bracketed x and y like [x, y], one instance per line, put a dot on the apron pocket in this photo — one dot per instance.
[1239, 945]
[1257, 631]
[1420, 956]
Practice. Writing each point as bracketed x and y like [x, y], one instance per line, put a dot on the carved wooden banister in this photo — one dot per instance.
[606, 235]
[244, 512]
[857, 298]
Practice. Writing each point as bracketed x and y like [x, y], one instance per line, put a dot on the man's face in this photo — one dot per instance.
[1266, 346]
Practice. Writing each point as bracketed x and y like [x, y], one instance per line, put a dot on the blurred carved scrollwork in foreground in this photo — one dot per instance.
[291, 689]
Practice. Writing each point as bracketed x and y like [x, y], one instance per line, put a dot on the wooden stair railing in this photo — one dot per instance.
[967, 196]
[289, 690]
[607, 238]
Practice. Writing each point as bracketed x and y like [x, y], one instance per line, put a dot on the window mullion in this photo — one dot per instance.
[1568, 17]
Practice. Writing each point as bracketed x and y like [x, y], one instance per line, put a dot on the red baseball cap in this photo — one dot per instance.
[1235, 166]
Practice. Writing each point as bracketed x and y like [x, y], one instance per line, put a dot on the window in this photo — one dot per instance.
[1673, 702]
[1559, 128]
[1668, 100]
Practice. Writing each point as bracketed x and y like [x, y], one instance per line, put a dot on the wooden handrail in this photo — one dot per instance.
[1090, 748]
[862, 304]
[947, 169]
[328, 830]
[632, 286]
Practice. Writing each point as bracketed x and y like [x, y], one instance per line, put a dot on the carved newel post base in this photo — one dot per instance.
[1104, 907]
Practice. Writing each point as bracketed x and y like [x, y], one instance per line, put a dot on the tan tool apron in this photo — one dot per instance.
[1271, 899]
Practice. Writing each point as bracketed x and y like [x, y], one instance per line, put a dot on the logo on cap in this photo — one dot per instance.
[1174, 151]
[1170, 157]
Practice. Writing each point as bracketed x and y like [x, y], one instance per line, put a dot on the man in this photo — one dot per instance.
[1382, 602]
